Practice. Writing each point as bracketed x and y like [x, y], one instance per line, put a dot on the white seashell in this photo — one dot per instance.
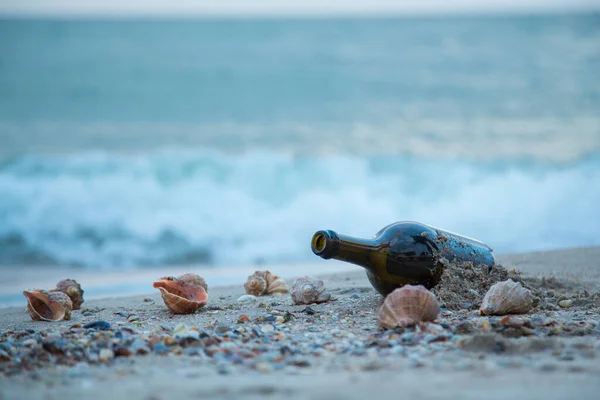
[265, 283]
[408, 306]
[246, 298]
[256, 285]
[508, 297]
[308, 290]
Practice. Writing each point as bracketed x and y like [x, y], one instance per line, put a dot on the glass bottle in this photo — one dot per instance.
[401, 253]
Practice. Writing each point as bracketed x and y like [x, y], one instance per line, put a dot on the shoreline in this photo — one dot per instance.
[110, 284]
[271, 348]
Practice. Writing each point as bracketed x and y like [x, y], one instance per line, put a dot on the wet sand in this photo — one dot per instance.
[325, 351]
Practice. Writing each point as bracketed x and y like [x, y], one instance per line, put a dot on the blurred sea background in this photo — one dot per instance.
[127, 143]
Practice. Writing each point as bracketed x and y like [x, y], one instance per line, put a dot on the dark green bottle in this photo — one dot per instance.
[402, 253]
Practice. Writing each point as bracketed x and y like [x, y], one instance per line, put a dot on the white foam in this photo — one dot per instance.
[109, 210]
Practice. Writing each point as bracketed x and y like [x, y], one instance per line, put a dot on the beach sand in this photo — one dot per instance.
[326, 351]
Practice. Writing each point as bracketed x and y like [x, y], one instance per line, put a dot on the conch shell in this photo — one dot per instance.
[43, 305]
[507, 297]
[308, 290]
[71, 288]
[264, 283]
[408, 305]
[184, 294]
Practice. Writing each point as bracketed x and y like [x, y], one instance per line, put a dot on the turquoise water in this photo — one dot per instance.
[142, 142]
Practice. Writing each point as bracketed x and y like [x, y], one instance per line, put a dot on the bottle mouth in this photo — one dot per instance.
[323, 243]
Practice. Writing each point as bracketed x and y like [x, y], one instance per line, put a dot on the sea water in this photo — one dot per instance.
[128, 143]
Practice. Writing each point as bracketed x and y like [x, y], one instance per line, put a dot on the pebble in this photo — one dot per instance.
[355, 296]
[123, 351]
[246, 298]
[30, 342]
[243, 319]
[133, 318]
[106, 355]
[87, 314]
[565, 303]
[160, 348]
[267, 328]
[98, 325]
[222, 329]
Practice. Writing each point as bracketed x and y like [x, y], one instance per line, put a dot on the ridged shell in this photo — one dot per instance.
[72, 289]
[43, 305]
[274, 284]
[308, 290]
[408, 306]
[255, 285]
[508, 297]
[184, 294]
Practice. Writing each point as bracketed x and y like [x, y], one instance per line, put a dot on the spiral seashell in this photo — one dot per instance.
[408, 305]
[184, 294]
[274, 284]
[43, 305]
[508, 297]
[71, 288]
[308, 290]
[255, 285]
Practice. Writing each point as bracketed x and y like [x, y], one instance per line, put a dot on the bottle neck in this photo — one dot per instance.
[328, 244]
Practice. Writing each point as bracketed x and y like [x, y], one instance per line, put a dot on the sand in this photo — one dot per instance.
[341, 351]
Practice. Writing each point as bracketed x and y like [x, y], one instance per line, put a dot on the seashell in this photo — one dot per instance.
[184, 294]
[508, 297]
[43, 305]
[272, 285]
[246, 298]
[408, 306]
[71, 288]
[308, 290]
[255, 285]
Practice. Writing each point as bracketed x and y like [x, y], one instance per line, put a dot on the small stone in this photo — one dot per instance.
[565, 303]
[547, 367]
[221, 329]
[280, 320]
[247, 298]
[139, 347]
[122, 352]
[243, 319]
[98, 325]
[148, 300]
[309, 311]
[170, 341]
[133, 318]
[30, 342]
[56, 346]
[263, 367]
[121, 314]
[267, 328]
[4, 356]
[355, 296]
[87, 314]
[106, 355]
[160, 348]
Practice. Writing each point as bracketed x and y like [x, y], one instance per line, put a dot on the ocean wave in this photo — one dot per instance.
[108, 210]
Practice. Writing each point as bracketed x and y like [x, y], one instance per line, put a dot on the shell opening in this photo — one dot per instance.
[43, 309]
[182, 290]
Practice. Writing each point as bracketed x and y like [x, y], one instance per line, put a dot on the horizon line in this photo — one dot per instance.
[375, 13]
